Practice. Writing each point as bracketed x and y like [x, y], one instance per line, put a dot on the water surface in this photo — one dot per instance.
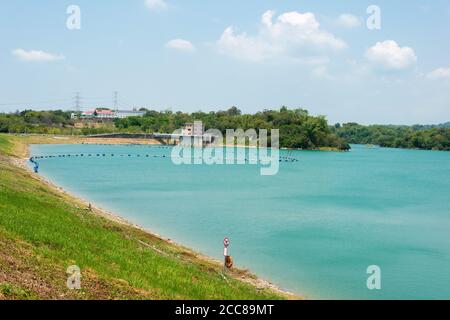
[312, 229]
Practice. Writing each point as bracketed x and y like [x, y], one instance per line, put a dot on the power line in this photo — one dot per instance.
[76, 102]
[31, 103]
[96, 98]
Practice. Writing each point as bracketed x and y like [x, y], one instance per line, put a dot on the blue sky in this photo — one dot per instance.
[209, 55]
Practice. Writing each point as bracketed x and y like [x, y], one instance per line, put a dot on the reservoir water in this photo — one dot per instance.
[313, 229]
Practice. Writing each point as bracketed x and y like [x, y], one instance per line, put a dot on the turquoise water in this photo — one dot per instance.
[312, 229]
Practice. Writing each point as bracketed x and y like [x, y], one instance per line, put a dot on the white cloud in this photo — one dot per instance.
[242, 46]
[439, 73]
[292, 34]
[36, 55]
[156, 5]
[390, 55]
[181, 44]
[348, 21]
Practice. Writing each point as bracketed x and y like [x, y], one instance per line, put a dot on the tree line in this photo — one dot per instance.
[298, 129]
[409, 137]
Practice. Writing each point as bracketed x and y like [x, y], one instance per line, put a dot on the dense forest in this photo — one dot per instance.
[35, 122]
[298, 129]
[410, 137]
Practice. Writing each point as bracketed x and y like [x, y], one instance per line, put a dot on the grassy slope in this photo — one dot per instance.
[43, 232]
[17, 145]
[6, 144]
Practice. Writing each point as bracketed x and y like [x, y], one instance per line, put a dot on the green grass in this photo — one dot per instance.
[5, 144]
[16, 292]
[43, 232]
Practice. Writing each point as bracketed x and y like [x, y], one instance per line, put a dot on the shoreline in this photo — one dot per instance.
[245, 276]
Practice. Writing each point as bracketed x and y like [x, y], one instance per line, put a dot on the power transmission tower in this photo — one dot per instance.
[116, 100]
[77, 102]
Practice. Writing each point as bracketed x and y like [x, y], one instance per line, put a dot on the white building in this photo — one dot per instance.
[107, 114]
[193, 129]
[122, 114]
[194, 135]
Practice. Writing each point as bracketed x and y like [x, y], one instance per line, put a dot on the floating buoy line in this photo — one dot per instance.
[34, 159]
[131, 155]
